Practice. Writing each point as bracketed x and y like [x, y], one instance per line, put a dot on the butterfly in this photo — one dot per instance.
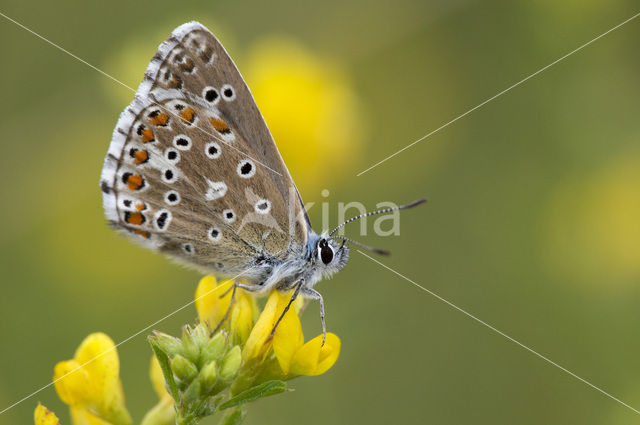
[193, 172]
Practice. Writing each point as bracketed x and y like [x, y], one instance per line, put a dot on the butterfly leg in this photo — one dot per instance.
[293, 298]
[226, 314]
[312, 293]
[250, 288]
[233, 288]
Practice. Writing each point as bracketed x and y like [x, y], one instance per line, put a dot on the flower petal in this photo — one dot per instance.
[257, 343]
[288, 337]
[71, 381]
[44, 416]
[241, 320]
[313, 358]
[91, 380]
[211, 308]
[98, 357]
[80, 416]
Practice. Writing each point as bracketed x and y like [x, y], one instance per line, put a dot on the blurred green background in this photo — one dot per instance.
[533, 224]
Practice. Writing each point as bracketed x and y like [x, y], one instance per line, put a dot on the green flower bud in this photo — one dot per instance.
[215, 347]
[231, 363]
[191, 350]
[183, 368]
[192, 393]
[170, 345]
[200, 335]
[208, 376]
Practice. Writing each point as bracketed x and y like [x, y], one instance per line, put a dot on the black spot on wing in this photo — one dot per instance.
[105, 187]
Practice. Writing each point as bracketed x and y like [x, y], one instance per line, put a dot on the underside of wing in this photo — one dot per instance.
[192, 169]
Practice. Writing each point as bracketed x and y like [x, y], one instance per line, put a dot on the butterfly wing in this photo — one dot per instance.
[192, 169]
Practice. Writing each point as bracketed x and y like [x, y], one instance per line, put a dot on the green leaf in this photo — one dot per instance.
[163, 360]
[263, 390]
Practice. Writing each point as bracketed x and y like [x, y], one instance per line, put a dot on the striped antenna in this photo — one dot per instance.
[382, 211]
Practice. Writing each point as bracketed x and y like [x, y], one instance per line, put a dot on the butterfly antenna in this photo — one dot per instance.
[382, 211]
[361, 245]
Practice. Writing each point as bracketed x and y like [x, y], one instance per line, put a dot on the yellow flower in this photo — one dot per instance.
[309, 106]
[293, 355]
[44, 416]
[90, 383]
[212, 307]
[287, 348]
[83, 417]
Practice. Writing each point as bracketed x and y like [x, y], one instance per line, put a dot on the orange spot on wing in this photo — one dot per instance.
[141, 157]
[160, 119]
[135, 181]
[141, 207]
[188, 114]
[147, 135]
[135, 218]
[142, 233]
[219, 125]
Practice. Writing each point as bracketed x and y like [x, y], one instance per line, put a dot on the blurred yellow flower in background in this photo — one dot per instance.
[44, 416]
[594, 224]
[309, 106]
[90, 383]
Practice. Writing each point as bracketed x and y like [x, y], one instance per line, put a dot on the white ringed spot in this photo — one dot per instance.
[172, 155]
[212, 150]
[214, 234]
[263, 206]
[228, 92]
[182, 142]
[211, 95]
[228, 215]
[169, 175]
[161, 220]
[246, 168]
[172, 197]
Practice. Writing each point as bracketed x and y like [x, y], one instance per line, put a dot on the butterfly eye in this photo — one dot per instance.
[326, 254]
